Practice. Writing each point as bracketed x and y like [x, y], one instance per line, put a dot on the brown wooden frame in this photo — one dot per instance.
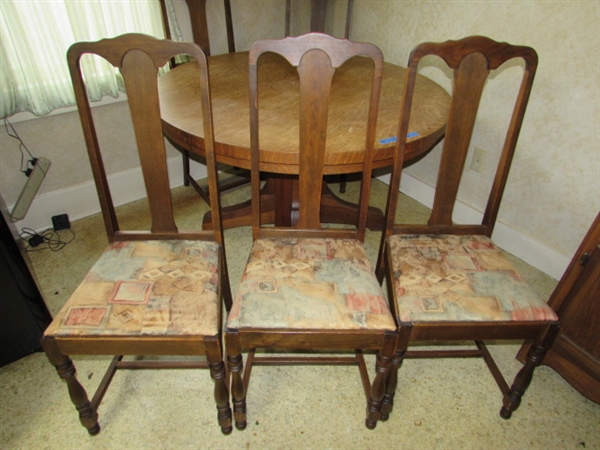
[139, 57]
[471, 60]
[316, 56]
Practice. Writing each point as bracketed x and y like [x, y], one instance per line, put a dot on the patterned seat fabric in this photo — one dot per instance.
[146, 287]
[309, 283]
[459, 278]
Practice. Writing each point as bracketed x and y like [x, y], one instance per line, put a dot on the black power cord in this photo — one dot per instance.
[48, 239]
[27, 163]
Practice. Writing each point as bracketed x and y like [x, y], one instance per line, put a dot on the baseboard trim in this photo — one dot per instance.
[523, 247]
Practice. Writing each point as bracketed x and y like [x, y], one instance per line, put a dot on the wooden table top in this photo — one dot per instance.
[278, 86]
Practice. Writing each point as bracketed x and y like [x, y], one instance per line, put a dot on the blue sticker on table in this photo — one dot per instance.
[389, 140]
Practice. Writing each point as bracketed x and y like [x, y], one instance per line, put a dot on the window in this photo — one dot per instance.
[35, 36]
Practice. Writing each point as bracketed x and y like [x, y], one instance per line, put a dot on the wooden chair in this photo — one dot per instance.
[450, 282]
[197, 8]
[155, 292]
[307, 287]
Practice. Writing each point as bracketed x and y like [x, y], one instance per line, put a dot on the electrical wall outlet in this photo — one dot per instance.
[478, 160]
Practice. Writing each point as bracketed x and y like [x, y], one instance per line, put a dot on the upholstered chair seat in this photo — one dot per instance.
[146, 288]
[460, 278]
[309, 283]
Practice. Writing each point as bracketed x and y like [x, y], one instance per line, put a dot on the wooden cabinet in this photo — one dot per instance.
[576, 299]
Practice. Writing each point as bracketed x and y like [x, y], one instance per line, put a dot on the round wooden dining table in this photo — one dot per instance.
[179, 93]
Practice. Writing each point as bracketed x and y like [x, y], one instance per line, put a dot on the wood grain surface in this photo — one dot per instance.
[278, 103]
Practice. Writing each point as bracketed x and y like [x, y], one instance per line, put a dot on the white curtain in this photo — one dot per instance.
[35, 36]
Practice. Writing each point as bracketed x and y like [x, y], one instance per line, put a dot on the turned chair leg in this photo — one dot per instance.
[392, 380]
[217, 372]
[214, 356]
[390, 391]
[536, 354]
[88, 416]
[238, 389]
[378, 388]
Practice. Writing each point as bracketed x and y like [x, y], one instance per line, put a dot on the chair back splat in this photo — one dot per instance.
[316, 57]
[152, 292]
[308, 286]
[447, 281]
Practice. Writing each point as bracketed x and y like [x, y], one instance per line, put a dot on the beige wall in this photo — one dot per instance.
[554, 189]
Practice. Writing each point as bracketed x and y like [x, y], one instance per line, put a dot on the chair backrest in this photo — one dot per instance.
[139, 58]
[471, 59]
[316, 57]
[317, 16]
[199, 21]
